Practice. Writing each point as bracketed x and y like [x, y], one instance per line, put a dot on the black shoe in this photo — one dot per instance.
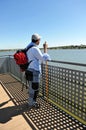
[28, 106]
[36, 105]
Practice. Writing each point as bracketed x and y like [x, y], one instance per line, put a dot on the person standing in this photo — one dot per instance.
[33, 71]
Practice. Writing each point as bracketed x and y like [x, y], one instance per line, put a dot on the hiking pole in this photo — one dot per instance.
[45, 45]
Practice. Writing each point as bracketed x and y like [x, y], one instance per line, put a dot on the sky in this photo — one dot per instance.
[59, 22]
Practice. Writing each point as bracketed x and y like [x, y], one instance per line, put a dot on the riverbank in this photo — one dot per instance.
[59, 47]
[70, 47]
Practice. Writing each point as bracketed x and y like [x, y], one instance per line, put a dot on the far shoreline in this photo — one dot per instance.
[51, 48]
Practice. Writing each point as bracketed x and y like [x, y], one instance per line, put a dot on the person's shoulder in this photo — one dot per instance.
[35, 48]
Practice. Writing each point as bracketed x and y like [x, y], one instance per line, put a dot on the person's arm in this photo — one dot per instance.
[38, 54]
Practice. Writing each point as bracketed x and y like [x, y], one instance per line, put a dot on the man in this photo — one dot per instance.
[35, 57]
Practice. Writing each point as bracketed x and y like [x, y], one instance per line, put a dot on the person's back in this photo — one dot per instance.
[33, 71]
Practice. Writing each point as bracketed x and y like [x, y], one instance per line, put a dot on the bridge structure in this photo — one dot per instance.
[62, 94]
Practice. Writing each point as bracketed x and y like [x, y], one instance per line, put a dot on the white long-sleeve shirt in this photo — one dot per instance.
[35, 55]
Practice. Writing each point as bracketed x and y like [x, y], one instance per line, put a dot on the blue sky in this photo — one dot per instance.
[59, 22]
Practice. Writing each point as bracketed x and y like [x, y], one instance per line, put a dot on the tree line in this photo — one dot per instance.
[59, 47]
[70, 47]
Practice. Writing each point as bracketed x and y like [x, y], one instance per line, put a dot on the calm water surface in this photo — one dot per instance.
[70, 55]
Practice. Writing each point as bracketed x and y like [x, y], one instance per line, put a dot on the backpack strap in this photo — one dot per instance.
[26, 49]
[29, 48]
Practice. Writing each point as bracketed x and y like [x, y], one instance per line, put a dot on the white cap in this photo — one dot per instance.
[36, 36]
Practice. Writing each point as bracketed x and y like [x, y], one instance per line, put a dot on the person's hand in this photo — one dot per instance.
[45, 45]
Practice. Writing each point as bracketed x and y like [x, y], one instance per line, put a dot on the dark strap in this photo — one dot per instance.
[29, 47]
[26, 49]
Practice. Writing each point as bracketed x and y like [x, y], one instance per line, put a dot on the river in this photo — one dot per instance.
[69, 55]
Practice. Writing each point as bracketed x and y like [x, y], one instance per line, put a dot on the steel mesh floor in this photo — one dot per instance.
[48, 117]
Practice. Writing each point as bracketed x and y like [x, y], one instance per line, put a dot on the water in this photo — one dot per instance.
[69, 55]
[2, 53]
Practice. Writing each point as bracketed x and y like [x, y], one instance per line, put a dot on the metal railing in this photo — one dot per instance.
[66, 84]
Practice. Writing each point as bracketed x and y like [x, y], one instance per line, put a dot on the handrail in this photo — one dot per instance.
[56, 61]
[70, 63]
[5, 56]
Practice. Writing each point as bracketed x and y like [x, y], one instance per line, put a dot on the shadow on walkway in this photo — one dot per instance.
[4, 103]
[7, 113]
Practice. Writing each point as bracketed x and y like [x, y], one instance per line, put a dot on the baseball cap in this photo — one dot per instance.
[36, 36]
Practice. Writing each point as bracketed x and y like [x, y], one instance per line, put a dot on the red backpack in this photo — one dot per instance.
[21, 58]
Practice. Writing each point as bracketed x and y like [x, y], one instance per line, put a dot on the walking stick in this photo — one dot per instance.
[45, 45]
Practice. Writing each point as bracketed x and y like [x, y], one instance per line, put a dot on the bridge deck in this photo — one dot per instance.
[14, 114]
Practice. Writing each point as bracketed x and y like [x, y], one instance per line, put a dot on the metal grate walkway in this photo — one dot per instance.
[48, 117]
